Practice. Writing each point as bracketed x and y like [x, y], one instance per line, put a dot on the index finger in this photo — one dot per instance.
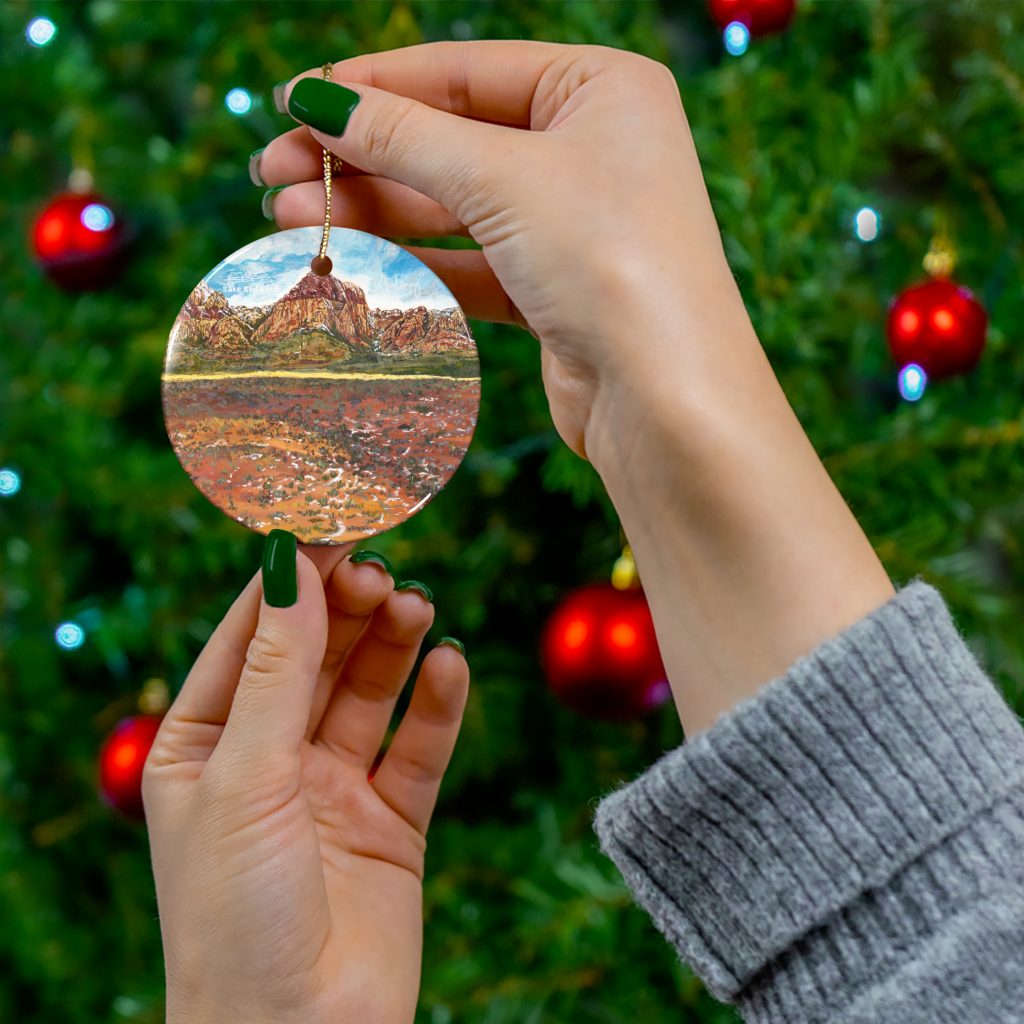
[492, 80]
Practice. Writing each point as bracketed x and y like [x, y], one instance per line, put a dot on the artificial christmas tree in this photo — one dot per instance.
[897, 106]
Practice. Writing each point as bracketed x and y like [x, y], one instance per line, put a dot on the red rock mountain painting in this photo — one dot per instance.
[317, 412]
[319, 318]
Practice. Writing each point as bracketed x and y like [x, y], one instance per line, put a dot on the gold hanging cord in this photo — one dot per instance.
[321, 263]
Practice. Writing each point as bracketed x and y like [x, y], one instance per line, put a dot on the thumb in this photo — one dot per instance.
[271, 707]
[443, 156]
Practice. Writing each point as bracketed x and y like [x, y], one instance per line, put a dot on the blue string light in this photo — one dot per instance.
[736, 38]
[97, 217]
[912, 382]
[69, 635]
[238, 101]
[40, 31]
[10, 482]
[867, 224]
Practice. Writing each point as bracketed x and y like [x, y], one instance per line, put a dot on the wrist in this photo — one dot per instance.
[196, 1014]
[748, 554]
[673, 369]
[225, 1007]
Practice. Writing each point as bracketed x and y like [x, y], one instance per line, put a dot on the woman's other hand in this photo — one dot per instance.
[288, 880]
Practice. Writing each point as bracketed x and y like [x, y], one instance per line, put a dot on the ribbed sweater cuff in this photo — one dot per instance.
[872, 750]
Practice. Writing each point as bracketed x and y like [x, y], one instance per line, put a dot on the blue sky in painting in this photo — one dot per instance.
[264, 270]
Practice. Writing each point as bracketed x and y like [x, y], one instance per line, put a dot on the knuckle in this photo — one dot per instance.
[372, 688]
[442, 707]
[220, 785]
[458, 87]
[212, 790]
[386, 131]
[150, 783]
[353, 803]
[416, 768]
[655, 71]
[156, 759]
[265, 661]
[669, 82]
[601, 53]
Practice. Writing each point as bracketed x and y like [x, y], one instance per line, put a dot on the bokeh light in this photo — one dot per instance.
[97, 217]
[912, 382]
[69, 635]
[736, 38]
[659, 692]
[238, 101]
[40, 31]
[867, 224]
[908, 322]
[576, 633]
[10, 482]
[623, 636]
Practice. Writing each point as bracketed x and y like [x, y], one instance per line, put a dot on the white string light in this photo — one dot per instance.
[10, 482]
[238, 101]
[69, 635]
[867, 224]
[736, 38]
[40, 31]
[912, 382]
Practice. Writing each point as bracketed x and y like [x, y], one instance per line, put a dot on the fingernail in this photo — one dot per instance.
[325, 106]
[280, 585]
[422, 588]
[278, 95]
[267, 202]
[372, 556]
[450, 641]
[254, 167]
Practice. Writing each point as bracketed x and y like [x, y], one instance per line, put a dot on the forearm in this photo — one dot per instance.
[748, 554]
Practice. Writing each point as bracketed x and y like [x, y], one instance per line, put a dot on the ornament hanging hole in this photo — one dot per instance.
[321, 265]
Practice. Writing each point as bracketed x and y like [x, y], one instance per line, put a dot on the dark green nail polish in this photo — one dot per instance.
[267, 202]
[278, 94]
[450, 641]
[280, 585]
[372, 556]
[254, 168]
[322, 105]
[421, 588]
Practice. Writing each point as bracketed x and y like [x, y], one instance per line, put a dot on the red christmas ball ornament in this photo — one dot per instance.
[121, 761]
[939, 325]
[761, 17]
[600, 653]
[79, 241]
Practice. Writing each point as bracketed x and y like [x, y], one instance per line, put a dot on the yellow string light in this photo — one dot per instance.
[155, 698]
[624, 573]
[940, 260]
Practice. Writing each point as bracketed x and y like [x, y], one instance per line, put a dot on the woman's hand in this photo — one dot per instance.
[572, 166]
[575, 170]
[288, 882]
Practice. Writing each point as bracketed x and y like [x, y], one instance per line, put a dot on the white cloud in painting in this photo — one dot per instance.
[264, 270]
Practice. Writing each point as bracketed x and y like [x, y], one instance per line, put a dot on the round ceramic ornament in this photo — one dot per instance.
[331, 404]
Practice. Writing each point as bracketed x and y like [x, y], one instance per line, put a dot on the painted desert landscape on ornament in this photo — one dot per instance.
[317, 413]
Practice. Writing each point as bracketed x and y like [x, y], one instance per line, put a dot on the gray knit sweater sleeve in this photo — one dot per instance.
[847, 845]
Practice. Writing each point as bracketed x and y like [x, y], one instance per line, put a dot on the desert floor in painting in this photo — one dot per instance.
[330, 457]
